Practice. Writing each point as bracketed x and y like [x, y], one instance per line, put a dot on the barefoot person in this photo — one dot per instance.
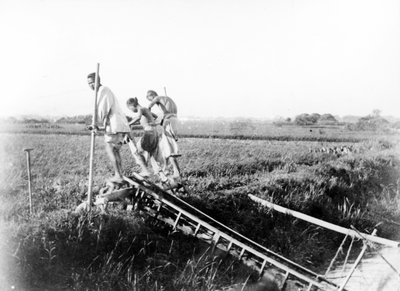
[169, 109]
[112, 120]
[168, 122]
[153, 141]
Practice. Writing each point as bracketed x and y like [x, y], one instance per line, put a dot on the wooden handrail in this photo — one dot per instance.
[325, 224]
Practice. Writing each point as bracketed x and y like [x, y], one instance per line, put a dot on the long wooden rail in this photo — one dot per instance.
[325, 224]
[180, 215]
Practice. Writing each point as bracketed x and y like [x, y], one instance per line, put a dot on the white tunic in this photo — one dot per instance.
[109, 113]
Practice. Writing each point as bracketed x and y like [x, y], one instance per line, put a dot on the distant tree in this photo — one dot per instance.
[78, 119]
[370, 122]
[310, 119]
[327, 118]
[315, 117]
[288, 119]
[34, 120]
[305, 119]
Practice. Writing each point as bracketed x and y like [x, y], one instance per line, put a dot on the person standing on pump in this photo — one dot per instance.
[154, 142]
[169, 109]
[112, 120]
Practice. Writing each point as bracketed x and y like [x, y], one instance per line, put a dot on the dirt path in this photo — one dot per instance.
[373, 273]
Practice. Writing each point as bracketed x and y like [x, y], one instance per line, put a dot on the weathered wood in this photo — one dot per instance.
[92, 140]
[358, 260]
[255, 257]
[324, 224]
[28, 164]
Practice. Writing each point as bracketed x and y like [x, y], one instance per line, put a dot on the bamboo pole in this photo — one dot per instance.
[93, 139]
[165, 91]
[325, 224]
[28, 164]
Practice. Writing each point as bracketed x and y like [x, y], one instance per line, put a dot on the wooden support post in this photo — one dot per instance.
[92, 140]
[28, 164]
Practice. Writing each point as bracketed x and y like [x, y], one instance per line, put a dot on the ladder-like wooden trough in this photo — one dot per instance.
[180, 215]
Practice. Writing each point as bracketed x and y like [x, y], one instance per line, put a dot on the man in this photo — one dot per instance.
[153, 141]
[112, 120]
[169, 109]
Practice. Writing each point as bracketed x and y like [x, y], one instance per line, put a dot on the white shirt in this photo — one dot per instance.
[109, 113]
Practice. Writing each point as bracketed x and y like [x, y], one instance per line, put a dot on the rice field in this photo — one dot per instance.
[56, 249]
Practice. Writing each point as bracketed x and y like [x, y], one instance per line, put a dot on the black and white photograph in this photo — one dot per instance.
[224, 145]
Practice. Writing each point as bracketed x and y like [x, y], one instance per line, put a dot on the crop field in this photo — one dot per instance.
[55, 249]
[239, 129]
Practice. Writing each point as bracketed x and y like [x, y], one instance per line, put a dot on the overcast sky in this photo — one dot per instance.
[216, 58]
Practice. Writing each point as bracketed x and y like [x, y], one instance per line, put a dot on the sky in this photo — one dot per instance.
[221, 58]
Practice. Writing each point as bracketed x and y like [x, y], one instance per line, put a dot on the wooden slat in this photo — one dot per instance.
[263, 266]
[216, 238]
[197, 229]
[229, 246]
[242, 253]
[177, 220]
[284, 279]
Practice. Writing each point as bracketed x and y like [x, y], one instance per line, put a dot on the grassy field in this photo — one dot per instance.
[56, 249]
[239, 129]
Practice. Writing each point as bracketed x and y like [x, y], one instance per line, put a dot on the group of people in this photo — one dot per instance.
[158, 143]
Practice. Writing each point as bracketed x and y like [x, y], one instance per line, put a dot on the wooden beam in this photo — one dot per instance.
[324, 224]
